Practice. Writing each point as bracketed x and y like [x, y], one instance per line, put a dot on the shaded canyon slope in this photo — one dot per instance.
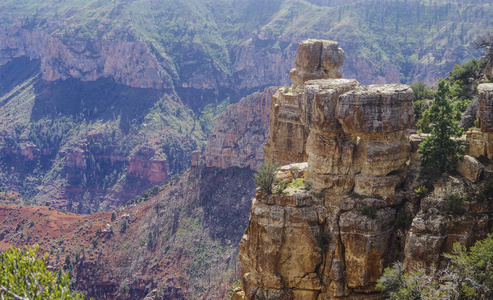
[179, 244]
[178, 241]
[89, 145]
[347, 206]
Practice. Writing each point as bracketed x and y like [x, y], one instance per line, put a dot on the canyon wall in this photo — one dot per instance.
[346, 206]
[128, 62]
[240, 133]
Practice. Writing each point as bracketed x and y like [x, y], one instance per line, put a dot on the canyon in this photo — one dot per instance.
[119, 157]
[133, 87]
[329, 239]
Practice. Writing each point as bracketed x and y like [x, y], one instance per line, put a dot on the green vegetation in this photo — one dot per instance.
[300, 183]
[455, 204]
[421, 191]
[469, 276]
[105, 123]
[422, 91]
[423, 96]
[124, 225]
[265, 177]
[477, 123]
[23, 275]
[281, 186]
[235, 285]
[438, 151]
[147, 195]
[402, 220]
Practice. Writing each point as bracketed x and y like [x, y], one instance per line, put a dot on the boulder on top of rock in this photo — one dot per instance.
[317, 59]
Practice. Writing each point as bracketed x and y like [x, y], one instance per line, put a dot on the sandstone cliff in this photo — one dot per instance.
[240, 133]
[351, 209]
[129, 63]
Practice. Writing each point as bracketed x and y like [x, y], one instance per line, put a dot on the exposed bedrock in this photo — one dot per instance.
[240, 133]
[316, 59]
[347, 207]
[130, 63]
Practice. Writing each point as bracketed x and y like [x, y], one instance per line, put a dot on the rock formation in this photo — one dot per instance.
[317, 59]
[480, 142]
[129, 63]
[333, 237]
[145, 165]
[240, 133]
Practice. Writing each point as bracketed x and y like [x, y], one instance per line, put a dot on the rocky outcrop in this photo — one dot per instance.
[485, 96]
[148, 166]
[447, 215]
[480, 142]
[353, 139]
[288, 128]
[240, 133]
[470, 168]
[129, 63]
[317, 59]
[329, 230]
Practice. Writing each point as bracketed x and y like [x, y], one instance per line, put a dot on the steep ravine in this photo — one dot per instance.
[179, 241]
[179, 244]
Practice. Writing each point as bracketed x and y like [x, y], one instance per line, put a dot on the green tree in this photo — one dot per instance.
[438, 150]
[469, 276]
[422, 97]
[23, 276]
[485, 41]
[473, 269]
[421, 91]
[265, 177]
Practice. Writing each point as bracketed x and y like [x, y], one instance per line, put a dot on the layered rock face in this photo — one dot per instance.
[130, 63]
[316, 59]
[480, 142]
[333, 236]
[240, 133]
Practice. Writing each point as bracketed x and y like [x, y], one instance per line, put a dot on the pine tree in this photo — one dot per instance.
[438, 151]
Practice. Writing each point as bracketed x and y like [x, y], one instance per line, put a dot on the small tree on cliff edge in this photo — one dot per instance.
[265, 177]
[438, 151]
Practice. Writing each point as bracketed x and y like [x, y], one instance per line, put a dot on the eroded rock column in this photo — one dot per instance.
[330, 153]
[315, 59]
[333, 238]
[376, 118]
